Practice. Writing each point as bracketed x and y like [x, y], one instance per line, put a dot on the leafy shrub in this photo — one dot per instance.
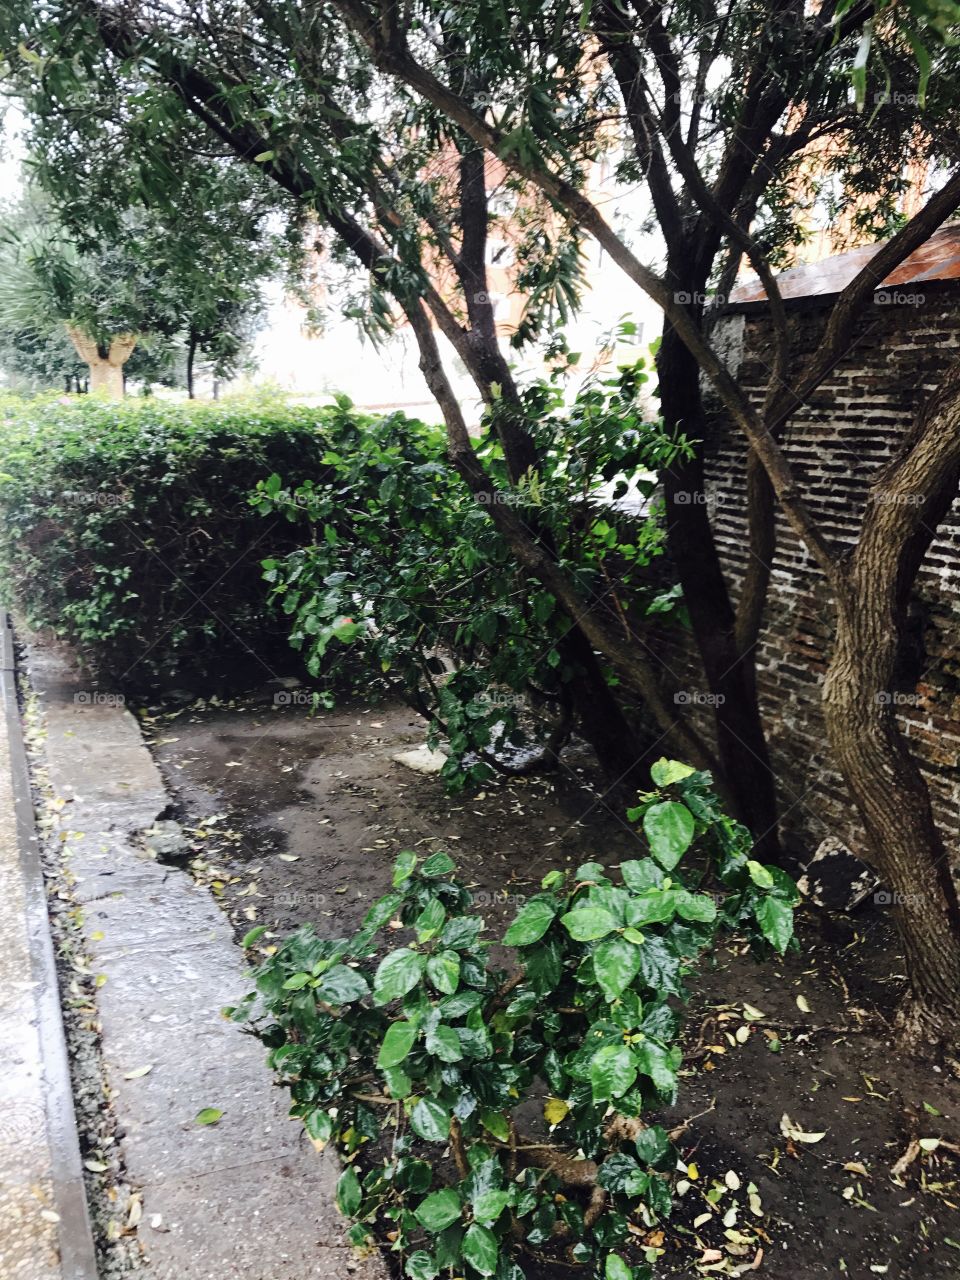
[129, 531]
[512, 1100]
[408, 576]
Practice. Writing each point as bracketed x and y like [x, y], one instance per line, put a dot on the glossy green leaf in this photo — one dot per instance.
[430, 1120]
[616, 963]
[398, 973]
[438, 1210]
[612, 1072]
[669, 828]
[397, 1043]
[481, 1249]
[587, 923]
[530, 923]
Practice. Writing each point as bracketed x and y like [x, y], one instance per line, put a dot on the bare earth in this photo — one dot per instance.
[297, 818]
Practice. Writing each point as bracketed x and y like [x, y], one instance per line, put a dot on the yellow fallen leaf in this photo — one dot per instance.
[555, 1110]
[138, 1072]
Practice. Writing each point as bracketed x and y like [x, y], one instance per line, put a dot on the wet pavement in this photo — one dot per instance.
[45, 1234]
[246, 1198]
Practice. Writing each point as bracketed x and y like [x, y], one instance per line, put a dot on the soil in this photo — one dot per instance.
[299, 818]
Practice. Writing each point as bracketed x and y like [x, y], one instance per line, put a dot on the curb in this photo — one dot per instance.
[77, 1253]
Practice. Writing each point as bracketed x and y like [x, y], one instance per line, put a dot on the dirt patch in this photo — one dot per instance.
[297, 818]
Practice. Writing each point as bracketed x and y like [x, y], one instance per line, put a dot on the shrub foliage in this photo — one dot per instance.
[495, 1116]
[127, 526]
[404, 576]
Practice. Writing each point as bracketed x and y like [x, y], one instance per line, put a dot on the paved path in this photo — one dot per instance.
[247, 1199]
[44, 1231]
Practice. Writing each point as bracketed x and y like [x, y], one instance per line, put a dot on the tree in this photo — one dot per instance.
[725, 109]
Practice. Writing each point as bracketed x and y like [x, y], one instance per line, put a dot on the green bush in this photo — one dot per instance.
[128, 529]
[405, 577]
[492, 1119]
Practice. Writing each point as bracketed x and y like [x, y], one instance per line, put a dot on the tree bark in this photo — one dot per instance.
[747, 778]
[105, 363]
[908, 500]
[191, 356]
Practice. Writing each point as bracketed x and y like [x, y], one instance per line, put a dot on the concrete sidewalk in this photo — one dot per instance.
[44, 1229]
[248, 1198]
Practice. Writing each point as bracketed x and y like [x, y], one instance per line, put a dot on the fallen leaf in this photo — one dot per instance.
[138, 1072]
[209, 1115]
[802, 1004]
[790, 1130]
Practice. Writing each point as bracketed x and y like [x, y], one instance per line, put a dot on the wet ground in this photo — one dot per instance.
[296, 818]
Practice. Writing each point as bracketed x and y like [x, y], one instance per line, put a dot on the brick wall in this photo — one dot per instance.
[835, 443]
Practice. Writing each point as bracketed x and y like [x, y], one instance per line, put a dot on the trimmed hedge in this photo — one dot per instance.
[128, 527]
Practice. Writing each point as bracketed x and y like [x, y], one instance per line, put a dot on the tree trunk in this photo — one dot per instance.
[191, 356]
[907, 502]
[747, 777]
[105, 363]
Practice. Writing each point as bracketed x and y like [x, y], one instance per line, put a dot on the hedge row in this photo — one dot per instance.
[128, 528]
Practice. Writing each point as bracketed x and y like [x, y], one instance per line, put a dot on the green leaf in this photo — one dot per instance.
[665, 772]
[430, 1120]
[297, 982]
[382, 911]
[586, 923]
[616, 1269]
[209, 1115]
[342, 985]
[653, 1145]
[397, 1043]
[349, 1193]
[443, 970]
[488, 1205]
[695, 906]
[422, 1266]
[403, 867]
[670, 828]
[398, 973]
[430, 920]
[496, 1123]
[775, 919]
[438, 864]
[657, 1063]
[641, 875]
[616, 963]
[250, 938]
[480, 1249]
[438, 1210]
[759, 874]
[263, 156]
[444, 1043]
[612, 1072]
[531, 922]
